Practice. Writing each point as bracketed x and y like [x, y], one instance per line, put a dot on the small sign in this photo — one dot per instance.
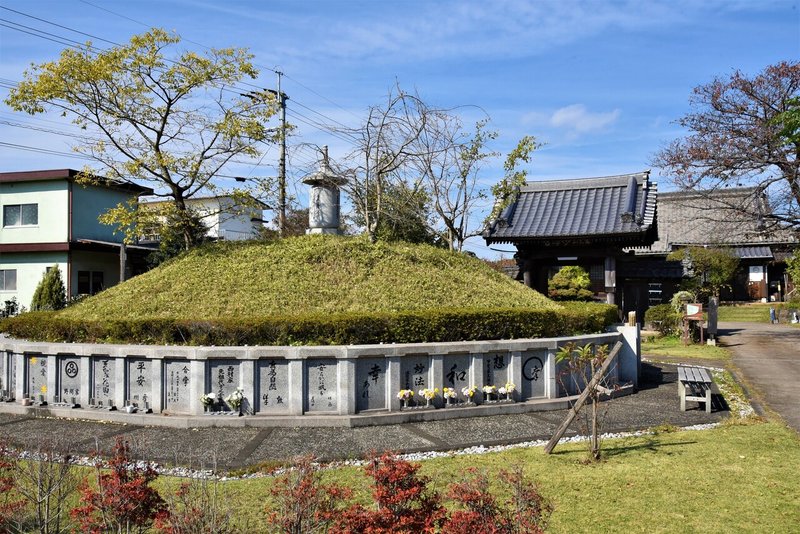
[694, 312]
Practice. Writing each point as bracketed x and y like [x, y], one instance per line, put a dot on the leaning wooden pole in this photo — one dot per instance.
[598, 375]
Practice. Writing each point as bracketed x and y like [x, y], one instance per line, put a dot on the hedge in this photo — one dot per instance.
[340, 329]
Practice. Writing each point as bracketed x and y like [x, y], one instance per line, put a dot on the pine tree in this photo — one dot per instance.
[50, 293]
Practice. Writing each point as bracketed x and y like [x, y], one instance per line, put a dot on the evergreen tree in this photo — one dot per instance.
[50, 293]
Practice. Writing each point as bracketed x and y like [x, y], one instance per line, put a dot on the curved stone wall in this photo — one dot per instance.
[285, 383]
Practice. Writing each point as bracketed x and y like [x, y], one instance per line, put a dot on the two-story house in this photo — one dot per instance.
[49, 219]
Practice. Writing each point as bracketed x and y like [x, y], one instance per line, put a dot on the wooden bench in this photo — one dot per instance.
[694, 384]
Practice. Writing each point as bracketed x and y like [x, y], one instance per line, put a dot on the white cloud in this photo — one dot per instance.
[577, 119]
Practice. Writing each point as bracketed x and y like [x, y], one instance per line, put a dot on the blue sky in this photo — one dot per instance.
[600, 83]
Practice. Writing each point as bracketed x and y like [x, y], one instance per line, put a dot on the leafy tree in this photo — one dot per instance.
[514, 177]
[50, 293]
[713, 268]
[171, 225]
[743, 130]
[571, 282]
[170, 123]
[793, 267]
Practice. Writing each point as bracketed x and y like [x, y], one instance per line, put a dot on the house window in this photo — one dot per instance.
[90, 282]
[21, 215]
[8, 280]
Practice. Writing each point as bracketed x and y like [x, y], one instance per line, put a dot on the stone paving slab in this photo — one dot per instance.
[656, 403]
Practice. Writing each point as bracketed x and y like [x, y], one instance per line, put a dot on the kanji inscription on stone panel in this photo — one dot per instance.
[37, 377]
[105, 382]
[177, 378]
[140, 381]
[495, 369]
[321, 385]
[533, 373]
[273, 382]
[414, 371]
[69, 383]
[456, 371]
[224, 376]
[371, 384]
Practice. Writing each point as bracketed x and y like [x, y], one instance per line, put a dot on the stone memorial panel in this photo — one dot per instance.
[177, 377]
[224, 377]
[104, 380]
[495, 369]
[533, 378]
[69, 378]
[456, 371]
[321, 385]
[371, 384]
[37, 377]
[140, 381]
[273, 386]
[4, 356]
[414, 373]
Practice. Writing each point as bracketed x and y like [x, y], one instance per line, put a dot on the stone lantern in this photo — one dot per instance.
[323, 207]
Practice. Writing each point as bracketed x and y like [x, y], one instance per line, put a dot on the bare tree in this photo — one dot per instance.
[46, 480]
[741, 134]
[385, 144]
[448, 162]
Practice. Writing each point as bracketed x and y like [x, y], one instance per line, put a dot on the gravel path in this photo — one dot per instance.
[229, 448]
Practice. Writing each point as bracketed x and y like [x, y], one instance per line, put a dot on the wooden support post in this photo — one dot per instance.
[598, 375]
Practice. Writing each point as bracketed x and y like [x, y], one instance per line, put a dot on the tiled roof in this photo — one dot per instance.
[614, 208]
[722, 217]
[752, 253]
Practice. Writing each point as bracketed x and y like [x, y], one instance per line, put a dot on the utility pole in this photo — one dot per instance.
[282, 98]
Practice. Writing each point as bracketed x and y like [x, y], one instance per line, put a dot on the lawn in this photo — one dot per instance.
[673, 347]
[734, 478]
[750, 313]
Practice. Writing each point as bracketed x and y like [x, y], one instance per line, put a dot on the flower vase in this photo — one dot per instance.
[509, 396]
[428, 403]
[451, 401]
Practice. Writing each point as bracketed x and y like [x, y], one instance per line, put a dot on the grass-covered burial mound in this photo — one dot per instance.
[313, 289]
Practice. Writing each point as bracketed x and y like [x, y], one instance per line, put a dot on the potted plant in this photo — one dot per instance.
[489, 392]
[428, 394]
[234, 400]
[449, 395]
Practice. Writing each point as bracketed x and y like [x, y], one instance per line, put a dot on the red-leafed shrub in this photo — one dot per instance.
[404, 502]
[301, 503]
[123, 501]
[524, 512]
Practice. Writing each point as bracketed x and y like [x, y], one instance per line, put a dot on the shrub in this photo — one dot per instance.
[124, 500]
[339, 329]
[300, 503]
[50, 293]
[526, 511]
[570, 283]
[195, 508]
[663, 318]
[404, 502]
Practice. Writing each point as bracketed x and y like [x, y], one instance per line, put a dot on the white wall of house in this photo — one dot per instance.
[52, 200]
[88, 203]
[30, 268]
[222, 217]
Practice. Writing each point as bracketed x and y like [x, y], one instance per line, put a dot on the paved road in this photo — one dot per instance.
[769, 357]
